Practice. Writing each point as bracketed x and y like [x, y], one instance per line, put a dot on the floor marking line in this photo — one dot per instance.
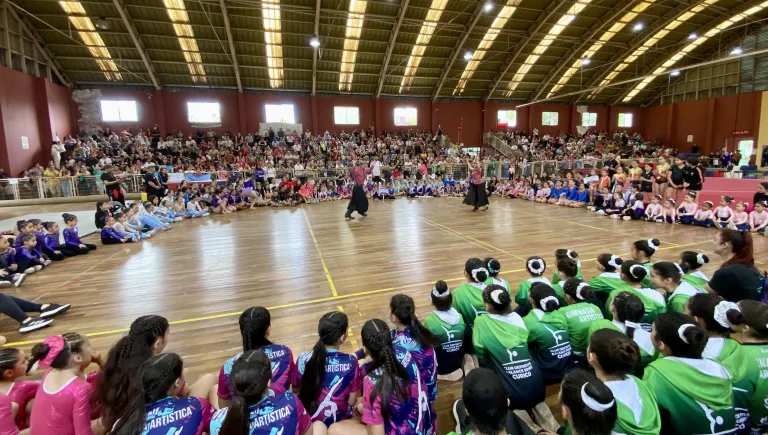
[455, 233]
[74, 279]
[313, 301]
[320, 254]
[459, 233]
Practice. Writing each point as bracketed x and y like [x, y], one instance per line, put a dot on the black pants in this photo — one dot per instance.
[25, 263]
[64, 252]
[16, 308]
[82, 251]
[117, 195]
[358, 202]
[110, 241]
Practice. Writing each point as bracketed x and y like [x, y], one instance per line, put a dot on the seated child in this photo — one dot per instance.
[704, 216]
[758, 219]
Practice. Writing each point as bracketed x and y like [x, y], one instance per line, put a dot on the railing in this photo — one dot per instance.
[494, 142]
[64, 187]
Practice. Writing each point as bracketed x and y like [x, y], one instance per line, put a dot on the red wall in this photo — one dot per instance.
[19, 117]
[711, 122]
[467, 115]
[59, 111]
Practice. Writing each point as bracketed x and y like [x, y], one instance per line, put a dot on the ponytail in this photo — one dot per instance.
[629, 310]
[681, 334]
[403, 307]
[249, 379]
[544, 297]
[254, 323]
[476, 270]
[331, 328]
[718, 315]
[378, 341]
[155, 378]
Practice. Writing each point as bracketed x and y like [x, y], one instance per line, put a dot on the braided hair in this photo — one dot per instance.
[254, 324]
[404, 309]
[629, 308]
[155, 377]
[331, 328]
[9, 357]
[249, 379]
[116, 386]
[73, 343]
[391, 376]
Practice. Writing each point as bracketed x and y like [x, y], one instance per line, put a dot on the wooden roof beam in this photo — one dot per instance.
[231, 42]
[391, 46]
[457, 49]
[29, 30]
[315, 51]
[134, 34]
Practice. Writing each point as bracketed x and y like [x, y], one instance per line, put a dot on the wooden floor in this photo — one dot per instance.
[305, 261]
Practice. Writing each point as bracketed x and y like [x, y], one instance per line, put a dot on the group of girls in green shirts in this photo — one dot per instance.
[649, 331]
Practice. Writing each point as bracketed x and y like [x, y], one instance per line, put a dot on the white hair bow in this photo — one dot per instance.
[652, 245]
[592, 403]
[495, 296]
[681, 331]
[436, 293]
[534, 269]
[544, 301]
[721, 313]
[700, 258]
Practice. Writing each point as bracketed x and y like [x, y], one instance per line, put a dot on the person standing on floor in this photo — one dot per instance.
[358, 202]
[477, 196]
[111, 183]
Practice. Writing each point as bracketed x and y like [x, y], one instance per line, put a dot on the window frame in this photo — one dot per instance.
[550, 114]
[589, 115]
[346, 115]
[625, 115]
[119, 104]
[280, 110]
[189, 112]
[415, 116]
[506, 112]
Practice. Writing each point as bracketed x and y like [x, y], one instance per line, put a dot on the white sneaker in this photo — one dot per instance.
[178, 219]
[38, 268]
[46, 262]
[18, 278]
[5, 283]
[600, 213]
[626, 218]
[34, 325]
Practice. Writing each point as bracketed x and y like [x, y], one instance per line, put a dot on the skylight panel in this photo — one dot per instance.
[177, 12]
[355, 19]
[273, 36]
[605, 37]
[87, 32]
[544, 44]
[482, 49]
[650, 42]
[691, 46]
[425, 34]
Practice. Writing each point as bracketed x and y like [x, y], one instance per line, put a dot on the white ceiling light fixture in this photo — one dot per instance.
[675, 73]
[693, 36]
[314, 42]
[736, 51]
[488, 6]
[468, 55]
[102, 24]
[586, 61]
[638, 27]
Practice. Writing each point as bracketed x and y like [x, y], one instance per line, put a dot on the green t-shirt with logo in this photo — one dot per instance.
[755, 384]
[695, 396]
[468, 301]
[549, 342]
[449, 328]
[731, 355]
[578, 318]
[501, 345]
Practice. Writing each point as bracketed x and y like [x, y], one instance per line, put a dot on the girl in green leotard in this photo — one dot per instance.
[634, 275]
[614, 357]
[754, 342]
[535, 267]
[692, 262]
[571, 255]
[588, 405]
[718, 317]
[566, 269]
[494, 267]
[667, 277]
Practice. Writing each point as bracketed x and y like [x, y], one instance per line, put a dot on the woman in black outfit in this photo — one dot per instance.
[737, 278]
[693, 177]
[676, 178]
[112, 185]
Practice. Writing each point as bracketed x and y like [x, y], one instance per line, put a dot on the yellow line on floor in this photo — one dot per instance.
[316, 301]
[459, 233]
[320, 254]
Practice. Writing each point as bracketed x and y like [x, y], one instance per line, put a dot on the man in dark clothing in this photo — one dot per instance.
[151, 182]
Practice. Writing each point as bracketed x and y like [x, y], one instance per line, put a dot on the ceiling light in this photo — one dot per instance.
[693, 36]
[638, 27]
[468, 55]
[315, 41]
[736, 51]
[101, 23]
[488, 6]
[675, 73]
[586, 61]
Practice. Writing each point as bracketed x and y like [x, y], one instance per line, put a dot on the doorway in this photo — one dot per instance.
[747, 148]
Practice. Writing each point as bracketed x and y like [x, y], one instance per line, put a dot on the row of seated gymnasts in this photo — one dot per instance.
[638, 349]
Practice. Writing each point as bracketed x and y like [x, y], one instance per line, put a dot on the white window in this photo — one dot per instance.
[203, 112]
[506, 118]
[282, 113]
[625, 120]
[549, 118]
[346, 115]
[405, 116]
[588, 119]
[118, 111]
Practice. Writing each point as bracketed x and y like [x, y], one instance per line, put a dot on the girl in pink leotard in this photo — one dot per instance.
[13, 365]
[63, 401]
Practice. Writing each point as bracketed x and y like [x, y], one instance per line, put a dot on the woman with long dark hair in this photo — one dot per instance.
[738, 278]
[478, 195]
